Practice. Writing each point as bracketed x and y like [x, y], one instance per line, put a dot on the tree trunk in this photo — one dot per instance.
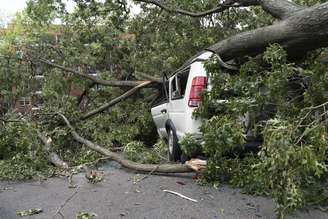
[305, 30]
[301, 29]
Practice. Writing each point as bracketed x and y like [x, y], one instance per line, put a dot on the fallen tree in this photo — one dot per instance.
[300, 30]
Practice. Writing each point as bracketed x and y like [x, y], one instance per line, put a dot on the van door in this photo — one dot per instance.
[177, 103]
[159, 110]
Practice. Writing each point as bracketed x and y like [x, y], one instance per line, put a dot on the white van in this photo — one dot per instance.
[172, 113]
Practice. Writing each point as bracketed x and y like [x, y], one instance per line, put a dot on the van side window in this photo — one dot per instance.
[179, 84]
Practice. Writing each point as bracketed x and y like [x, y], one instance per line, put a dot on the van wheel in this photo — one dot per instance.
[174, 151]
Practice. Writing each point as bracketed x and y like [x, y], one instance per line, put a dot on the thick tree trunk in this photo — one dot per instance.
[305, 30]
[280, 9]
[301, 29]
[164, 168]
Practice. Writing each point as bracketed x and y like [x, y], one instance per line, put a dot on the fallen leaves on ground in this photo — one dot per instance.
[29, 212]
[86, 215]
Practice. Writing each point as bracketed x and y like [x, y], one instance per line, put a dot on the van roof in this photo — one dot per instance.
[201, 56]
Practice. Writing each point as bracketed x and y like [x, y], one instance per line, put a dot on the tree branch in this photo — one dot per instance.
[222, 7]
[149, 77]
[277, 8]
[164, 168]
[95, 79]
[52, 156]
[115, 101]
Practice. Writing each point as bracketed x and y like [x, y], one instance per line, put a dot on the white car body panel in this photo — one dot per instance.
[177, 110]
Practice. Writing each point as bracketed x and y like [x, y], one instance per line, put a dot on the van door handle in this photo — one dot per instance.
[163, 111]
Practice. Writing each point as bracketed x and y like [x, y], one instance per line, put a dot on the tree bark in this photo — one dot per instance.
[280, 9]
[164, 168]
[301, 29]
[301, 32]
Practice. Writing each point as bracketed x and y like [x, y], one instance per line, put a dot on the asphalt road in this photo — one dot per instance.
[120, 196]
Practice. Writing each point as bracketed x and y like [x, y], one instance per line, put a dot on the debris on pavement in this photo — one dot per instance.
[180, 195]
[181, 183]
[86, 215]
[196, 164]
[93, 176]
[29, 212]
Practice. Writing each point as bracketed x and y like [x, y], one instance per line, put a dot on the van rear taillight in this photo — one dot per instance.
[198, 85]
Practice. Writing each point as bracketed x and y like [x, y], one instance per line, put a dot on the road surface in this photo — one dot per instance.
[121, 196]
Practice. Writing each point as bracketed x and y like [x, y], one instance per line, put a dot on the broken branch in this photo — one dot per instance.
[52, 156]
[164, 168]
[115, 101]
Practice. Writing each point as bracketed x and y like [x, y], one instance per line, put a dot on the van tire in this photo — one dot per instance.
[174, 151]
[184, 158]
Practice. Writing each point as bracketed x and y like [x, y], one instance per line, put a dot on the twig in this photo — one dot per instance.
[312, 123]
[151, 172]
[63, 205]
[316, 107]
[180, 195]
[7, 121]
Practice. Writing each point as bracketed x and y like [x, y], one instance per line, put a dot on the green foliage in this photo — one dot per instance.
[222, 138]
[288, 168]
[29, 212]
[161, 149]
[22, 157]
[86, 215]
[137, 152]
[190, 145]
[287, 108]
[22, 167]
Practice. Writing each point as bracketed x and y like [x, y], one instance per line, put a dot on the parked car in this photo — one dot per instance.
[172, 113]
